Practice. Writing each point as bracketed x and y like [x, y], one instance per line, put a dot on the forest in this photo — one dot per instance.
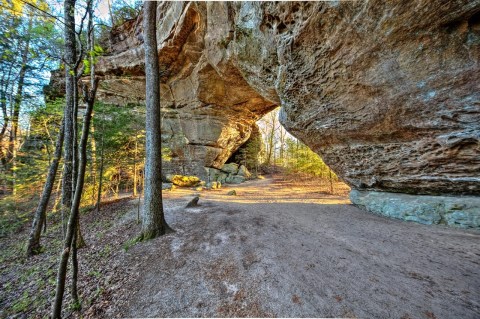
[237, 159]
[65, 154]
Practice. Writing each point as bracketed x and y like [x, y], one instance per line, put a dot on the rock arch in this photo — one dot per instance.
[386, 92]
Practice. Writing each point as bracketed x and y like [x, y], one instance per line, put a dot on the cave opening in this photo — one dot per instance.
[272, 151]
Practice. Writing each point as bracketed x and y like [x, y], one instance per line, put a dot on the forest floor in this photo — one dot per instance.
[278, 248]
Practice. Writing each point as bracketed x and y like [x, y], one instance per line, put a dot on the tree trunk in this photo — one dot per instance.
[79, 241]
[40, 214]
[72, 221]
[57, 192]
[153, 220]
[3, 106]
[331, 180]
[93, 164]
[69, 232]
[74, 288]
[70, 59]
[12, 148]
[100, 177]
[271, 137]
[135, 166]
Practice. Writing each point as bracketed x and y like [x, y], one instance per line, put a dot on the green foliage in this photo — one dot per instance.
[248, 153]
[120, 131]
[302, 159]
[33, 160]
[132, 242]
[76, 306]
[22, 303]
[92, 55]
[288, 152]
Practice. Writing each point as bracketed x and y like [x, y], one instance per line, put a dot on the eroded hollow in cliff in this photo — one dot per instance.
[272, 152]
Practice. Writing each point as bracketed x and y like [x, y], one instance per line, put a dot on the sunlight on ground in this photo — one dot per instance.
[270, 190]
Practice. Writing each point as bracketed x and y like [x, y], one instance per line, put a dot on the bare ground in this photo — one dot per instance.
[292, 252]
[276, 249]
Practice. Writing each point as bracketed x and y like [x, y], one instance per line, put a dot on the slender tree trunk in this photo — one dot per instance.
[112, 21]
[68, 232]
[93, 164]
[70, 59]
[71, 229]
[79, 241]
[40, 214]
[100, 178]
[16, 109]
[91, 47]
[3, 106]
[271, 137]
[6, 119]
[75, 134]
[331, 180]
[74, 288]
[57, 192]
[117, 183]
[135, 166]
[153, 220]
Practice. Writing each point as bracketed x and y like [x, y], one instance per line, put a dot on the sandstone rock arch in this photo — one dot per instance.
[386, 92]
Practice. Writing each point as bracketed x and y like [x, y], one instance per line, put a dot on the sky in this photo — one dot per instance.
[101, 7]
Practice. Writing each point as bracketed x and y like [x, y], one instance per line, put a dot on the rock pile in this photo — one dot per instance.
[231, 173]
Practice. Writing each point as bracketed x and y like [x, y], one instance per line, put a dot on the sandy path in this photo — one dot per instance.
[270, 251]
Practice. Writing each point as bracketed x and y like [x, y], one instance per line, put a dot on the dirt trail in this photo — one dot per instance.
[272, 251]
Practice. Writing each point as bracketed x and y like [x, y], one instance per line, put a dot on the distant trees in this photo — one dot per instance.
[35, 132]
[282, 149]
[25, 53]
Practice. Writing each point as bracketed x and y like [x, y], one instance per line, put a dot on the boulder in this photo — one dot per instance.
[461, 212]
[193, 202]
[185, 181]
[235, 179]
[216, 175]
[243, 171]
[231, 168]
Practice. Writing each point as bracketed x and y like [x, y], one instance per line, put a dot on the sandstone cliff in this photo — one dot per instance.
[387, 92]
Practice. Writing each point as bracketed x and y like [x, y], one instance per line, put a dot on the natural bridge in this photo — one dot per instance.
[387, 93]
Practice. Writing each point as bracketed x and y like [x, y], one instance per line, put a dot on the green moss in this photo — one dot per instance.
[22, 304]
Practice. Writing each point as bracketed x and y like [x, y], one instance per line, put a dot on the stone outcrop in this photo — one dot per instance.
[424, 209]
[387, 92]
[231, 173]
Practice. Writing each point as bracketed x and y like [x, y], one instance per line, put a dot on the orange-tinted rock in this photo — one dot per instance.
[387, 92]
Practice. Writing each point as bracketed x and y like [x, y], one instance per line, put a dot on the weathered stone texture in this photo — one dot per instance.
[462, 212]
[387, 92]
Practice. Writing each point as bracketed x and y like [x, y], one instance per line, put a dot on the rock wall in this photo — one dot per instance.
[387, 92]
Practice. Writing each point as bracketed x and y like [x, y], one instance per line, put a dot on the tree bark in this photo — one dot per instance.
[72, 221]
[40, 214]
[93, 163]
[70, 60]
[135, 166]
[153, 220]
[3, 106]
[100, 175]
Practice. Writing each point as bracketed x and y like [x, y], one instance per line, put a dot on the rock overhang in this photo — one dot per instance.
[387, 93]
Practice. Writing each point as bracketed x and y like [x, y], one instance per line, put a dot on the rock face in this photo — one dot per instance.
[387, 92]
[462, 212]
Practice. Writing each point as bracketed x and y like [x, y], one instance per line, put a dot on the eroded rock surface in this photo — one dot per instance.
[387, 92]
